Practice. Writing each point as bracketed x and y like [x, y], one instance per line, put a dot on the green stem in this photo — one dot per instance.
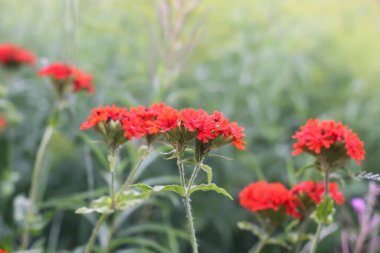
[315, 241]
[91, 241]
[301, 231]
[131, 175]
[187, 201]
[257, 248]
[325, 169]
[33, 193]
[123, 188]
[112, 160]
[190, 221]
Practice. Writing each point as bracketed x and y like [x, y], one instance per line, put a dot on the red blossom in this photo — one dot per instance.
[63, 72]
[315, 191]
[160, 119]
[3, 123]
[316, 136]
[3, 251]
[12, 55]
[167, 119]
[261, 196]
[105, 115]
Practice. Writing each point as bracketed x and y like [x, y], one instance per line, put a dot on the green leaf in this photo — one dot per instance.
[278, 242]
[324, 212]
[159, 188]
[130, 198]
[100, 205]
[251, 227]
[209, 187]
[208, 170]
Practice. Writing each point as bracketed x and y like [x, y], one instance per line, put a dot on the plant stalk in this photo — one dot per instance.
[112, 160]
[325, 169]
[257, 248]
[33, 193]
[91, 241]
[187, 203]
[131, 175]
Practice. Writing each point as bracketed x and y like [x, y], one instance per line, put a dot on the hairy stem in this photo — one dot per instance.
[95, 232]
[187, 203]
[190, 221]
[33, 193]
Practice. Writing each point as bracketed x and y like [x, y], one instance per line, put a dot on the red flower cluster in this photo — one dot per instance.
[3, 122]
[68, 74]
[3, 251]
[315, 191]
[14, 56]
[261, 196]
[160, 118]
[318, 136]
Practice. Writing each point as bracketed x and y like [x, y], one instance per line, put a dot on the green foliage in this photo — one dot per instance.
[324, 212]
[269, 65]
[210, 187]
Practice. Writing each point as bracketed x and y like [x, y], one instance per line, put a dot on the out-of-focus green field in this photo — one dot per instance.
[269, 65]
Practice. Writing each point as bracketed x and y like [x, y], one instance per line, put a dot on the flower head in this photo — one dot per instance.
[3, 123]
[67, 77]
[12, 56]
[3, 251]
[263, 196]
[315, 190]
[329, 139]
[108, 122]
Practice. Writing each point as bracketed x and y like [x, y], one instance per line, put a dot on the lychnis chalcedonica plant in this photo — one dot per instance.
[191, 133]
[332, 144]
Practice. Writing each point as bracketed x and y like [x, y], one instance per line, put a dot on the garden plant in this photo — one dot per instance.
[189, 126]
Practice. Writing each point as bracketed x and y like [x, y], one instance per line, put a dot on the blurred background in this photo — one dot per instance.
[269, 65]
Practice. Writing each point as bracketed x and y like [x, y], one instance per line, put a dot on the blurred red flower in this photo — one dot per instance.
[3, 122]
[3, 251]
[70, 75]
[261, 196]
[14, 56]
[317, 137]
[315, 191]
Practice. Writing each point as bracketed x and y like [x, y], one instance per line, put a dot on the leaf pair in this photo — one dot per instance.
[104, 204]
[180, 190]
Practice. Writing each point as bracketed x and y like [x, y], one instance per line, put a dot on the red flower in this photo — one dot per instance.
[13, 56]
[3, 122]
[70, 74]
[315, 191]
[319, 136]
[104, 115]
[3, 251]
[167, 119]
[261, 196]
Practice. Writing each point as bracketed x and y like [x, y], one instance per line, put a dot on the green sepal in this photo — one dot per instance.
[324, 211]
[209, 187]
